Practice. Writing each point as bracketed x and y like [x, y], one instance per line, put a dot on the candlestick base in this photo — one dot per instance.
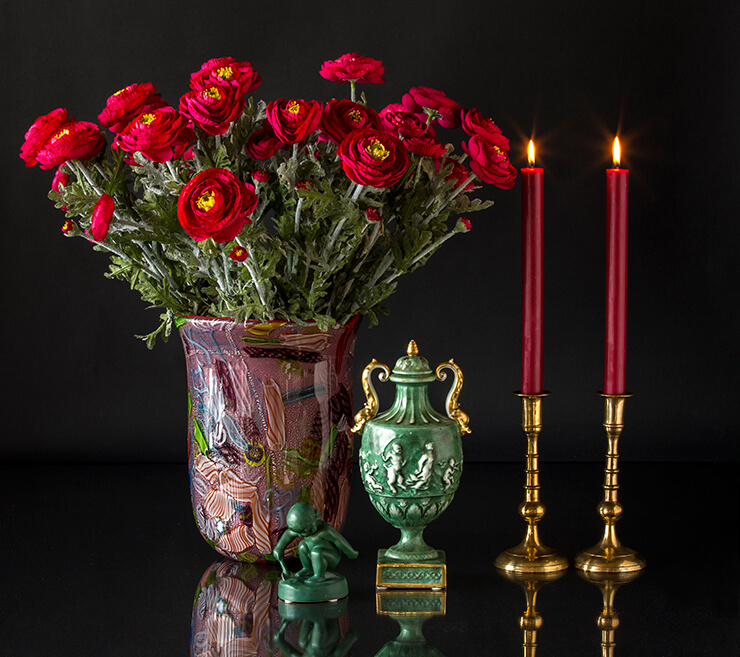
[609, 555]
[602, 558]
[527, 559]
[531, 556]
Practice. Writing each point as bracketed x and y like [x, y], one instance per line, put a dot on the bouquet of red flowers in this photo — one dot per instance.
[291, 209]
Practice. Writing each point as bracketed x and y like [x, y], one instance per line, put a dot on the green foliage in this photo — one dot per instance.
[314, 255]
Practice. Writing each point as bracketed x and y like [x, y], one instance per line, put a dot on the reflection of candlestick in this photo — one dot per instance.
[616, 276]
[532, 273]
[608, 619]
[531, 621]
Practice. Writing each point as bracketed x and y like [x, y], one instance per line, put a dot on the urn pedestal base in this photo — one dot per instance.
[427, 574]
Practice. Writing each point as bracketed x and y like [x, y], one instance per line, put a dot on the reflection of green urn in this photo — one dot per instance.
[411, 462]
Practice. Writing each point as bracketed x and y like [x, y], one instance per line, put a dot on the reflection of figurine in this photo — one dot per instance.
[421, 478]
[393, 469]
[319, 633]
[448, 476]
[320, 550]
[369, 477]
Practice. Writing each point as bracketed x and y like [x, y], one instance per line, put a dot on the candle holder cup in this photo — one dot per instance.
[609, 555]
[531, 556]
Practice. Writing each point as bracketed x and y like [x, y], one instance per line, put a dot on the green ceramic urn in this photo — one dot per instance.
[411, 460]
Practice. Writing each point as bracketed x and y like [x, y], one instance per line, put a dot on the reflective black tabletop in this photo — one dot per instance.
[106, 559]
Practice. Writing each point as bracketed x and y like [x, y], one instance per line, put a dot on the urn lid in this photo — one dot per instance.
[412, 368]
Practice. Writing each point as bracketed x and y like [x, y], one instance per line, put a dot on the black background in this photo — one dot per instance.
[78, 386]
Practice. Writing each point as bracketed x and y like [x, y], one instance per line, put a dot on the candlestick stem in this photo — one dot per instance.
[531, 556]
[609, 555]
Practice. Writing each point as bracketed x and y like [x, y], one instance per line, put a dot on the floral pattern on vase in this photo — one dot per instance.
[269, 416]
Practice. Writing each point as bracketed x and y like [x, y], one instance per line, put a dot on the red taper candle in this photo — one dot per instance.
[617, 184]
[532, 275]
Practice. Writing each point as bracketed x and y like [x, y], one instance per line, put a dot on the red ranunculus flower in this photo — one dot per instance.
[215, 107]
[263, 144]
[40, 132]
[340, 117]
[215, 203]
[293, 120]
[475, 123]
[490, 162]
[353, 67]
[459, 173]
[69, 227]
[420, 98]
[80, 140]
[425, 145]
[260, 176]
[101, 217]
[239, 254]
[226, 69]
[373, 214]
[397, 120]
[373, 157]
[161, 135]
[125, 105]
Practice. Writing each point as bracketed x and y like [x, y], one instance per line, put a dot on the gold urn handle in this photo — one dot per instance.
[368, 411]
[454, 412]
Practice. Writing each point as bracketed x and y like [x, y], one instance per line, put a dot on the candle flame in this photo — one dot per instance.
[616, 152]
[530, 153]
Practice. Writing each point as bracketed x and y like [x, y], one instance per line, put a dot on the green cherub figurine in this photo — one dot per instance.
[321, 549]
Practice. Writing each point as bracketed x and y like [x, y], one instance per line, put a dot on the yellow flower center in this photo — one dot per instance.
[212, 92]
[376, 150]
[355, 115]
[120, 91]
[225, 72]
[62, 133]
[206, 201]
[147, 118]
[294, 107]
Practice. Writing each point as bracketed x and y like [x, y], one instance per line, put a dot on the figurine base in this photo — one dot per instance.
[395, 574]
[299, 590]
[525, 559]
[600, 559]
[411, 603]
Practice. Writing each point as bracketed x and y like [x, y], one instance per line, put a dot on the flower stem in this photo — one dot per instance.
[334, 236]
[358, 191]
[297, 220]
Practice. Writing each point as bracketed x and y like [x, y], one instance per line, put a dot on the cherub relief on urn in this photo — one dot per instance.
[411, 461]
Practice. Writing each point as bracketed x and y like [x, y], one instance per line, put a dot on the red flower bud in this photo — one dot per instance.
[260, 176]
[372, 214]
[239, 254]
[101, 217]
[69, 227]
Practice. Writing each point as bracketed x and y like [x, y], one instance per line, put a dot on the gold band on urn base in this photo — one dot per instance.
[531, 556]
[609, 555]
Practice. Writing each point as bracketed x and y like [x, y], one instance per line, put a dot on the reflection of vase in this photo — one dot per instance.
[410, 609]
[235, 611]
[269, 417]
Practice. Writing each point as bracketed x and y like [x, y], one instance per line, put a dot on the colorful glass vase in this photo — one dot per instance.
[269, 426]
[411, 461]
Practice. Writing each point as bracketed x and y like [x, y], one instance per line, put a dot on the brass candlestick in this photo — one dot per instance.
[609, 555]
[531, 556]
